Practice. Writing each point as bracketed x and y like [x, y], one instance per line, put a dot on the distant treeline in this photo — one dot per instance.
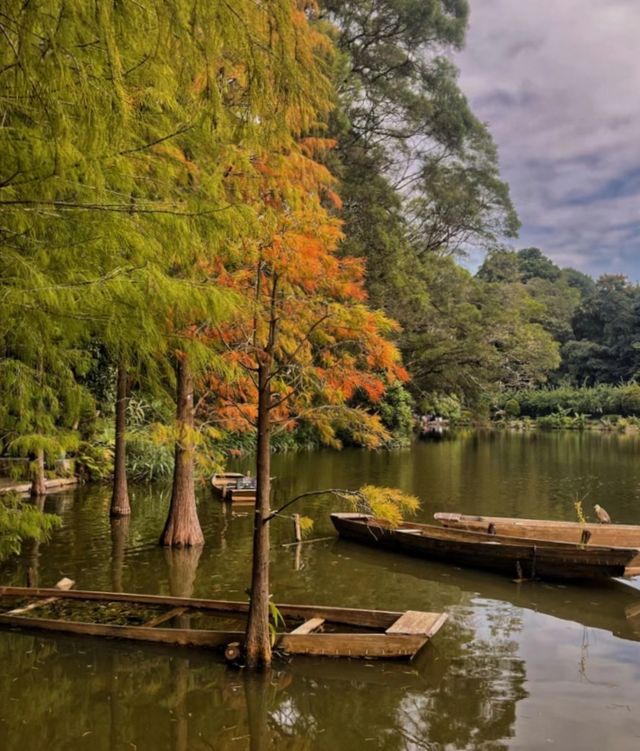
[595, 323]
[593, 402]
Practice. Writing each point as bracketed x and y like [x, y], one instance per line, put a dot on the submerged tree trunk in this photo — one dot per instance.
[120, 499]
[258, 639]
[38, 482]
[182, 528]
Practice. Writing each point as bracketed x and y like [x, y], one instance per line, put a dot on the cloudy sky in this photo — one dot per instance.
[558, 82]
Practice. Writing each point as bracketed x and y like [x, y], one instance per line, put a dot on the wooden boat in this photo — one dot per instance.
[518, 557]
[312, 630]
[616, 535]
[234, 487]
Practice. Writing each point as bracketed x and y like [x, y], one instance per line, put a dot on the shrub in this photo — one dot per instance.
[512, 407]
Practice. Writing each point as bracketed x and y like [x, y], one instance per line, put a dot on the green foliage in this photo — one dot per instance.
[20, 521]
[471, 337]
[448, 406]
[512, 407]
[94, 460]
[276, 620]
[147, 459]
[396, 412]
[420, 181]
[604, 348]
[595, 401]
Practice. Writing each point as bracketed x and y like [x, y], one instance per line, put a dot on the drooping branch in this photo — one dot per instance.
[340, 492]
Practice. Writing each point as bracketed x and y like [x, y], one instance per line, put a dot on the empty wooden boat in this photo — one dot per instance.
[615, 535]
[517, 557]
[310, 629]
[234, 487]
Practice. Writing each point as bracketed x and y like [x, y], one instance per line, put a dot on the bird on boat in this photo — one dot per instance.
[602, 515]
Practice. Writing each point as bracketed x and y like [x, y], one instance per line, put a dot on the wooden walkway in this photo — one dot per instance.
[56, 485]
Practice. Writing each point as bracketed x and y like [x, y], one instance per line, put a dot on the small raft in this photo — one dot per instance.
[234, 487]
[217, 624]
[616, 535]
[521, 558]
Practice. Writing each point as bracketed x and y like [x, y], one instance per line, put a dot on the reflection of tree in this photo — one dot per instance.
[462, 693]
[483, 675]
[183, 567]
[119, 537]
[33, 551]
[256, 690]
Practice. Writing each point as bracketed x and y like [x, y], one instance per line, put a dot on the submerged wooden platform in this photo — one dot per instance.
[319, 630]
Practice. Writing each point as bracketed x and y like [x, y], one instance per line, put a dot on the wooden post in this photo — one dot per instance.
[297, 533]
[38, 481]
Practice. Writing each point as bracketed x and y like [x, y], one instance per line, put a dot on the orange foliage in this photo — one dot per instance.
[329, 346]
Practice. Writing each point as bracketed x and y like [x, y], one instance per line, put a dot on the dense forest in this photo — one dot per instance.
[128, 234]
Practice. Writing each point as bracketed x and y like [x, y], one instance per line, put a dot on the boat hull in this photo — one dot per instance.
[616, 535]
[516, 558]
[384, 634]
[224, 488]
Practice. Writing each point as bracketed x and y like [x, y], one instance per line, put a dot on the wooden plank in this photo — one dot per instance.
[617, 535]
[353, 645]
[164, 617]
[176, 636]
[308, 627]
[632, 611]
[63, 585]
[347, 616]
[417, 622]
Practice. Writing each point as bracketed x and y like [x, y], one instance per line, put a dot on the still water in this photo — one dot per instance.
[517, 666]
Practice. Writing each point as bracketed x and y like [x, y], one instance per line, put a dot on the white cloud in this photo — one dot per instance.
[558, 82]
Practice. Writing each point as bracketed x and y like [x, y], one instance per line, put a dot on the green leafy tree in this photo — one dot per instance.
[20, 521]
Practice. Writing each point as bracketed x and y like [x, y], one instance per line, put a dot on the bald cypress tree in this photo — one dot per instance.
[116, 197]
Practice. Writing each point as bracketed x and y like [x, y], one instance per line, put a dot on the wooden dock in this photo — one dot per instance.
[55, 485]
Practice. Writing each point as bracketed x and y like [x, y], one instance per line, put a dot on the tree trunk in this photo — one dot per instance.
[38, 484]
[258, 641]
[120, 499]
[182, 528]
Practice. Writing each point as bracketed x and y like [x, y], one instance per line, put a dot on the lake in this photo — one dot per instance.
[517, 666]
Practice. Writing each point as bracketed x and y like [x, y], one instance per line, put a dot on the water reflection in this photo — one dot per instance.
[611, 605]
[119, 539]
[87, 694]
[491, 668]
